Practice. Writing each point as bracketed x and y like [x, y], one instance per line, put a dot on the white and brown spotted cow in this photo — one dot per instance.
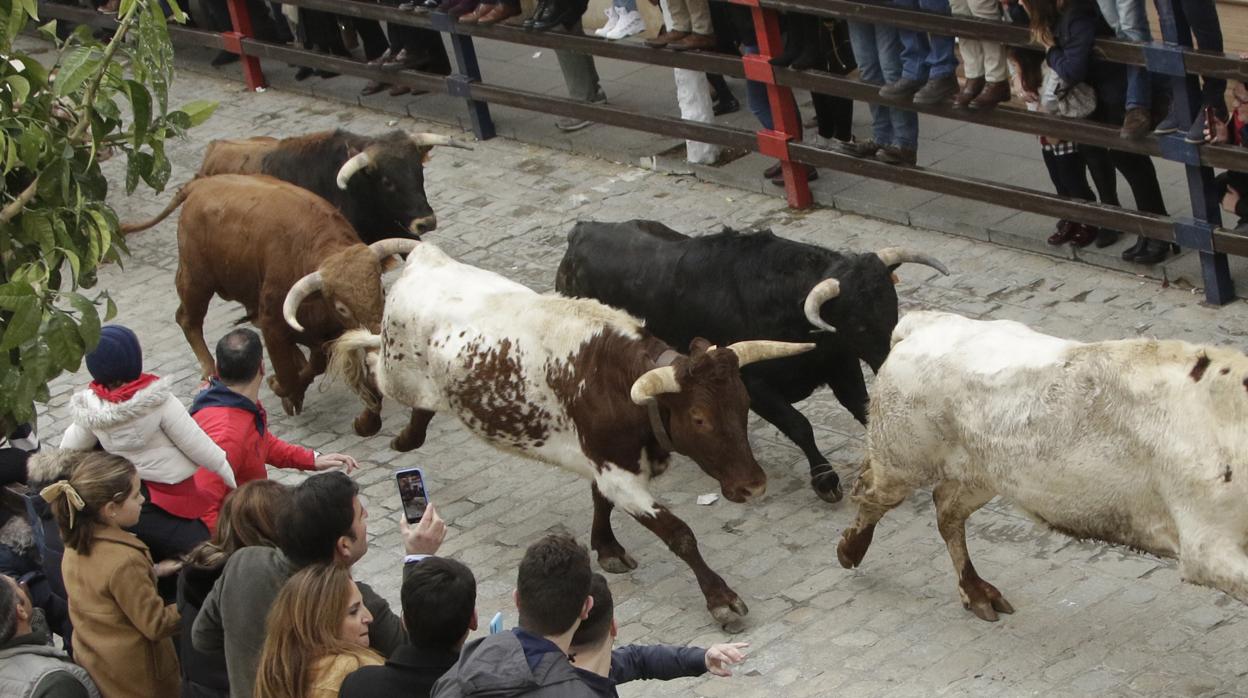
[568, 382]
[1138, 442]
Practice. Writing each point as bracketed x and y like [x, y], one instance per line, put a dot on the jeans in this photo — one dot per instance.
[1202, 18]
[1130, 22]
[927, 56]
[626, 5]
[756, 95]
[877, 49]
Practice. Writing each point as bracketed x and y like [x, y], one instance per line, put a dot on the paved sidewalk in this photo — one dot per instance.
[1092, 619]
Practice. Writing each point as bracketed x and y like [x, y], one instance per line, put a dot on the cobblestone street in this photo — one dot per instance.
[1091, 619]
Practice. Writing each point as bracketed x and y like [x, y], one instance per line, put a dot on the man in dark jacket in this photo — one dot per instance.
[230, 413]
[604, 668]
[552, 596]
[323, 522]
[29, 665]
[439, 610]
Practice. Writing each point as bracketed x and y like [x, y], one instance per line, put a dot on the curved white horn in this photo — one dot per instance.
[653, 383]
[432, 139]
[892, 256]
[823, 292]
[389, 246]
[357, 162]
[764, 349]
[302, 289]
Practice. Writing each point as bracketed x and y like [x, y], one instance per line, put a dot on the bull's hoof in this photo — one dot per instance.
[731, 617]
[853, 547]
[276, 387]
[983, 599]
[617, 564]
[367, 424]
[291, 407]
[405, 442]
[826, 483]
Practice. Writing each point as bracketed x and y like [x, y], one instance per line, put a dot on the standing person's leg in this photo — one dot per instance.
[942, 62]
[756, 93]
[702, 34]
[1132, 25]
[994, 60]
[1141, 176]
[905, 146]
[862, 38]
[914, 52]
[682, 25]
[581, 76]
[1052, 162]
[972, 59]
[1202, 17]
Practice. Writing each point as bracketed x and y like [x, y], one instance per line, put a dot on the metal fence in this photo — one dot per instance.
[1174, 58]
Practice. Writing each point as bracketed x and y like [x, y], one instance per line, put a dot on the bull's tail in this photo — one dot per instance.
[353, 357]
[183, 192]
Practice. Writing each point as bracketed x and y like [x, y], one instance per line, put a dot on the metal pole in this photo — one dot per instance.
[469, 71]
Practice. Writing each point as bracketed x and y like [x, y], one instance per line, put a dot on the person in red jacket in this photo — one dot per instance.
[229, 411]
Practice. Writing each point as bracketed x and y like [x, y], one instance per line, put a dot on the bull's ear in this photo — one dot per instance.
[699, 346]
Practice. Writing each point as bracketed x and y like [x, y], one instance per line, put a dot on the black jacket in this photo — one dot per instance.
[1071, 58]
[410, 672]
[203, 674]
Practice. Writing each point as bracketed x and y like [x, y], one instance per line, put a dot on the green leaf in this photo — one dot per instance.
[14, 294]
[110, 308]
[89, 323]
[48, 31]
[199, 110]
[141, 107]
[23, 325]
[65, 345]
[37, 228]
[79, 65]
[20, 87]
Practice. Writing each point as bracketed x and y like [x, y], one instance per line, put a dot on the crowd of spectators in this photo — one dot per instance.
[264, 599]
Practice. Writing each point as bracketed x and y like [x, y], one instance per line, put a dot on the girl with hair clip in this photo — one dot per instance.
[317, 634]
[122, 629]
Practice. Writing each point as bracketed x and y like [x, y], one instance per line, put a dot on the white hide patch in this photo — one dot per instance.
[977, 346]
[628, 491]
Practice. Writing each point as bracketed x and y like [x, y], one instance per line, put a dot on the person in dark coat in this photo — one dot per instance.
[439, 599]
[248, 517]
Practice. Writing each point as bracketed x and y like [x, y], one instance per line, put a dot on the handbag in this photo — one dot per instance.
[1072, 101]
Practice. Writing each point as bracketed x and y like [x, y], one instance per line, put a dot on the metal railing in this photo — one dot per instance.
[1176, 58]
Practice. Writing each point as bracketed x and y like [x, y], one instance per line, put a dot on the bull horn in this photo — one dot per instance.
[764, 349]
[893, 256]
[653, 383]
[389, 246]
[432, 139]
[823, 292]
[294, 297]
[356, 163]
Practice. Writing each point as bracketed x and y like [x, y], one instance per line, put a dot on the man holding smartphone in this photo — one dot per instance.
[229, 411]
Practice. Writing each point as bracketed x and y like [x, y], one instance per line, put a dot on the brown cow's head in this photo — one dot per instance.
[388, 179]
[349, 281]
[708, 409]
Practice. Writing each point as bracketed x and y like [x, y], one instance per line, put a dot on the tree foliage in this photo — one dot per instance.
[96, 100]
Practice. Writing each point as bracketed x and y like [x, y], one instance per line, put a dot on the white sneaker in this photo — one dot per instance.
[629, 23]
[613, 16]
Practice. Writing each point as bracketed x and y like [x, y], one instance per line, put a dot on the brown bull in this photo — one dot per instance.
[269, 245]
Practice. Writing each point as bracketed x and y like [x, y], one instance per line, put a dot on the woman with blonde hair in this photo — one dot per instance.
[122, 628]
[317, 634]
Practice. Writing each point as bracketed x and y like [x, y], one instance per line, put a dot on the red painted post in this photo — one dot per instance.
[240, 17]
[786, 126]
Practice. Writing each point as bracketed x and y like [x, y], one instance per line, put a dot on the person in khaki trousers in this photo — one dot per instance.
[983, 62]
[691, 28]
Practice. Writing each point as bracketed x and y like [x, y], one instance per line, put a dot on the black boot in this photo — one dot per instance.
[1128, 255]
[1152, 252]
[537, 12]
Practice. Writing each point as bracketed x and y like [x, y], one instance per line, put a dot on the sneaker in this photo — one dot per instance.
[1135, 124]
[568, 124]
[904, 88]
[894, 155]
[939, 90]
[1168, 125]
[858, 149]
[613, 16]
[629, 24]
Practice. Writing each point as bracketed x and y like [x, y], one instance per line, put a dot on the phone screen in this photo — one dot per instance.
[412, 492]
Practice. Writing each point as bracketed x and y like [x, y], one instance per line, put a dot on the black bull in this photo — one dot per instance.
[730, 286]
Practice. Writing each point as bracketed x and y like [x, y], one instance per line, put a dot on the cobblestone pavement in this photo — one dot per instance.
[1091, 618]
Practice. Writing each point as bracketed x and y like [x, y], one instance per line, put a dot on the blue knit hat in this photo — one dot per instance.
[118, 358]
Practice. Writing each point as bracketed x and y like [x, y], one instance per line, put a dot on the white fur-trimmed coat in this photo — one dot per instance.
[152, 430]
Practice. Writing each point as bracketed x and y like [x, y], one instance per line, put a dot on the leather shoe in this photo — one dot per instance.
[1065, 231]
[498, 12]
[772, 172]
[903, 88]
[1128, 255]
[1084, 235]
[970, 91]
[303, 73]
[372, 87]
[727, 105]
[476, 15]
[694, 42]
[538, 11]
[936, 90]
[667, 37]
[993, 94]
[811, 175]
[1152, 252]
[894, 155]
[555, 13]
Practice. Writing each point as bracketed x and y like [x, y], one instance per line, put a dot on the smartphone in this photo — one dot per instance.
[496, 623]
[1211, 118]
[413, 492]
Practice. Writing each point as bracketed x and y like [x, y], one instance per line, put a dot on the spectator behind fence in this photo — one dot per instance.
[123, 630]
[691, 28]
[439, 599]
[1068, 29]
[603, 668]
[552, 596]
[623, 21]
[983, 62]
[323, 521]
[316, 634]
[928, 63]
[249, 517]
[1234, 187]
[135, 415]
[1201, 18]
[894, 132]
[230, 413]
[29, 665]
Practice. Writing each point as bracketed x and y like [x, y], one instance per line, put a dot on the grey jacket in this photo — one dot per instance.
[231, 621]
[498, 666]
[30, 668]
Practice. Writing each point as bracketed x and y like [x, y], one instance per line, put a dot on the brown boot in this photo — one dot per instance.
[476, 15]
[498, 12]
[662, 40]
[970, 90]
[993, 94]
[1136, 125]
[694, 42]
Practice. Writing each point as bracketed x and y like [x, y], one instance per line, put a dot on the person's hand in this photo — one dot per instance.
[720, 657]
[426, 536]
[1216, 132]
[1230, 200]
[327, 461]
[167, 568]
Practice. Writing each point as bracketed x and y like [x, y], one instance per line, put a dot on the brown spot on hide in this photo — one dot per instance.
[1226, 474]
[1225, 370]
[492, 396]
[1198, 371]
